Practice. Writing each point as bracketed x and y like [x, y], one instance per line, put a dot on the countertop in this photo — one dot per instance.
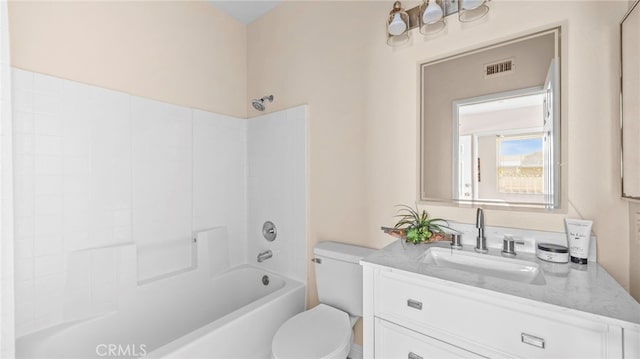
[585, 288]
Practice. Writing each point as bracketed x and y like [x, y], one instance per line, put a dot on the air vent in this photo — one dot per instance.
[499, 68]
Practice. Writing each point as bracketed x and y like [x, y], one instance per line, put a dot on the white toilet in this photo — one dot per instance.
[325, 332]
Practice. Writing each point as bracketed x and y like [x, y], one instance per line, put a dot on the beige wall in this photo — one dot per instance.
[185, 53]
[317, 53]
[363, 103]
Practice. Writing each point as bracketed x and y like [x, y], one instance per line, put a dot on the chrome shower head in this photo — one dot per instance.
[258, 104]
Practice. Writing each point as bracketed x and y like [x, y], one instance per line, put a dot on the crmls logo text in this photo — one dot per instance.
[119, 350]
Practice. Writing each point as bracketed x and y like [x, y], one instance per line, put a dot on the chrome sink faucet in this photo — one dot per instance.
[263, 256]
[481, 240]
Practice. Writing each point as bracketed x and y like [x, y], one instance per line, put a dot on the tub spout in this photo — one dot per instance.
[263, 256]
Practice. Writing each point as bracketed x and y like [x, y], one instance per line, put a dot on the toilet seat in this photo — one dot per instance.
[323, 332]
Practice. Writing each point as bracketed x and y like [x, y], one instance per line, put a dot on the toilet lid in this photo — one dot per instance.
[321, 332]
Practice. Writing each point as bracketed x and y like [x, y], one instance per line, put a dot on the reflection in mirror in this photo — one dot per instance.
[491, 133]
[509, 130]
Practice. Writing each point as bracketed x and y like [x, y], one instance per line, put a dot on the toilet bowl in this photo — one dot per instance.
[323, 332]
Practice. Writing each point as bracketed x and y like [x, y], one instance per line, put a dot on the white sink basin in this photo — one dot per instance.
[485, 264]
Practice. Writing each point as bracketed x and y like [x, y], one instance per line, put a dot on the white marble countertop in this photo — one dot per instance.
[584, 288]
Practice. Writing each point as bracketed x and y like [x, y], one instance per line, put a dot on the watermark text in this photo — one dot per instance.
[121, 350]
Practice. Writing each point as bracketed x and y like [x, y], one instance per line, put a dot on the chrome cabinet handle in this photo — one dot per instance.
[413, 355]
[414, 304]
[532, 340]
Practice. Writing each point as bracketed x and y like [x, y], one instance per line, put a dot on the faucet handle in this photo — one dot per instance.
[508, 246]
[456, 241]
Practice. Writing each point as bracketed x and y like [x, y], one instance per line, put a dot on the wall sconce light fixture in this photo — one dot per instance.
[430, 17]
[397, 26]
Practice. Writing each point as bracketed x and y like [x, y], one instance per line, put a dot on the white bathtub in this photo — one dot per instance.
[233, 315]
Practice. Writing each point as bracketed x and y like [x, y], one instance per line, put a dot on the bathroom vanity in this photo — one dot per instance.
[428, 300]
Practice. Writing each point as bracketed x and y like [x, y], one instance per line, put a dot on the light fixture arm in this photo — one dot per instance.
[397, 6]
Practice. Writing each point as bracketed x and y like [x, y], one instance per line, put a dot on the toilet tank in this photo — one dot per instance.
[339, 275]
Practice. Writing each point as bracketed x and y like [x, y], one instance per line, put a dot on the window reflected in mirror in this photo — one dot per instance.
[490, 126]
[500, 142]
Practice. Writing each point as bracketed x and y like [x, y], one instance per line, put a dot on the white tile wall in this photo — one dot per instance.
[105, 194]
[162, 187]
[75, 170]
[7, 279]
[110, 188]
[220, 171]
[213, 251]
[277, 169]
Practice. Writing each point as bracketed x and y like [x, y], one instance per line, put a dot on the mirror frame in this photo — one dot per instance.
[560, 126]
[625, 121]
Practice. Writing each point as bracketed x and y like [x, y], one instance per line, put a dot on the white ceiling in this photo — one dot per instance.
[502, 104]
[245, 11]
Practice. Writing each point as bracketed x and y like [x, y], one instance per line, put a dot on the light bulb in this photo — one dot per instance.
[432, 13]
[397, 25]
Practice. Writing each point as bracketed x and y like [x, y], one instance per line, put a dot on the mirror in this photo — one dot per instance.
[630, 122]
[490, 125]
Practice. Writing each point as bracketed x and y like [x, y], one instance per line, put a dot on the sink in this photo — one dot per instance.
[485, 264]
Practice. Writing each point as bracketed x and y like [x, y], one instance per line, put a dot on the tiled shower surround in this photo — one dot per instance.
[110, 189]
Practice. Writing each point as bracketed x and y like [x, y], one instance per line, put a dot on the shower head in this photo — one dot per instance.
[259, 104]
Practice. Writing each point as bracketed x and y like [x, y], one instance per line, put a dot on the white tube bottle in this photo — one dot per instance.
[578, 239]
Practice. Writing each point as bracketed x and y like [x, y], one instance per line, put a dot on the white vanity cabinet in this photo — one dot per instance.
[394, 341]
[413, 316]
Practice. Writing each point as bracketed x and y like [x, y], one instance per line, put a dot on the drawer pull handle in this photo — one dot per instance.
[414, 304]
[413, 355]
[532, 340]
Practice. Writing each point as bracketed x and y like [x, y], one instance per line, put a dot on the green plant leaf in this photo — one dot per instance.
[419, 227]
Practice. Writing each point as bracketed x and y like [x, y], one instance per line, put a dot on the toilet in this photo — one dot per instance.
[326, 331]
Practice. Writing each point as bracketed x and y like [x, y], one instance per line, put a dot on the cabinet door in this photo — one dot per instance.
[395, 342]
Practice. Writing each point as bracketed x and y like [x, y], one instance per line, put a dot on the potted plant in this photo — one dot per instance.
[416, 226]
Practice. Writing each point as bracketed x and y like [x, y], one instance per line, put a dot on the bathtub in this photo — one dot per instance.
[233, 315]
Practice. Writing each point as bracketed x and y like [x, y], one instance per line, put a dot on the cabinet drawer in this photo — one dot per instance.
[458, 318]
[395, 342]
